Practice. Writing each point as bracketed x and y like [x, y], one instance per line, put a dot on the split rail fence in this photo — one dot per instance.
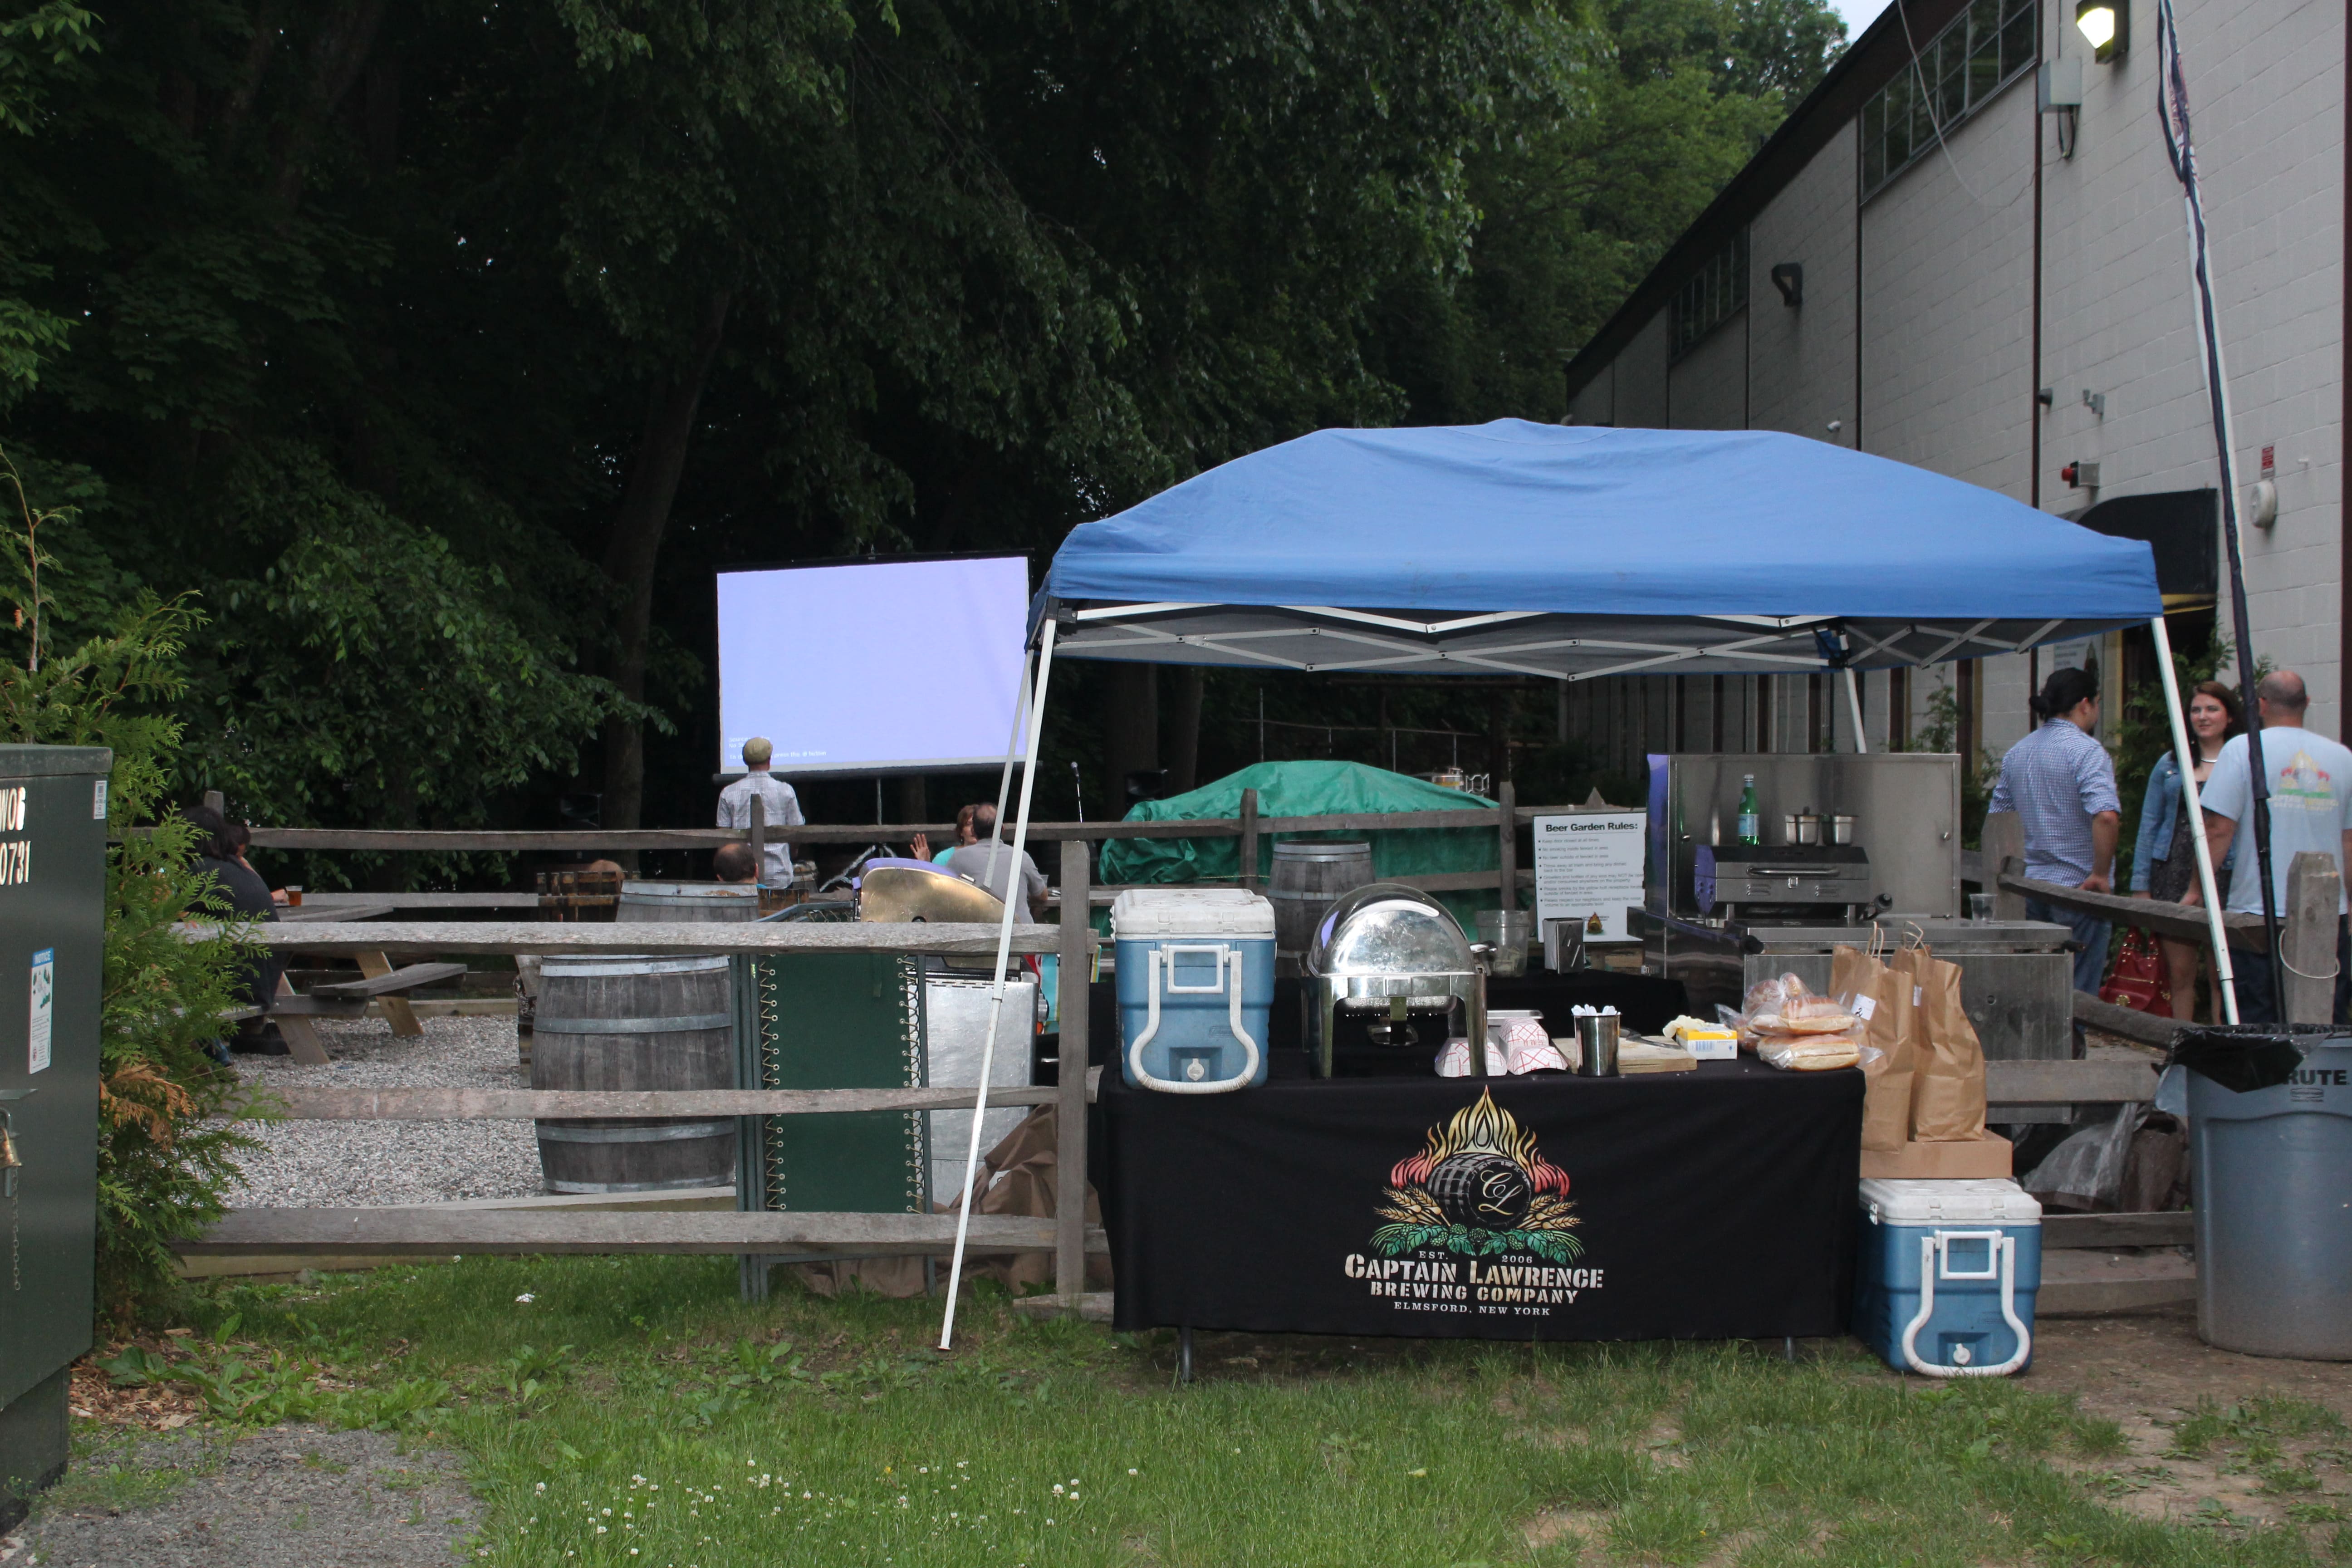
[748, 1234]
[786, 1236]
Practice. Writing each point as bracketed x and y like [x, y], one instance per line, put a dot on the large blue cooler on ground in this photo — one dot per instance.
[1946, 1276]
[1195, 986]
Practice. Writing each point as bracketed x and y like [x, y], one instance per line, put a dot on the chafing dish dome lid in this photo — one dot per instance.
[1388, 928]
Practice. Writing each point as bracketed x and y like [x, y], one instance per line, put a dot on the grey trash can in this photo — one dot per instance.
[2271, 1168]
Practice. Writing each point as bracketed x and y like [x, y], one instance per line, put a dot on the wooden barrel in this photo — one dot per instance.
[640, 1024]
[689, 902]
[1308, 875]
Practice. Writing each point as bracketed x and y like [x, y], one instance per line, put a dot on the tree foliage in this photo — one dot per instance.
[163, 1165]
[445, 350]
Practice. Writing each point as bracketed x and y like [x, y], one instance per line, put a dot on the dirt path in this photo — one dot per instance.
[2208, 1433]
[293, 1497]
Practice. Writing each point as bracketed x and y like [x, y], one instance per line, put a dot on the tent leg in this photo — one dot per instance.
[2184, 757]
[1016, 897]
[1854, 704]
[1013, 746]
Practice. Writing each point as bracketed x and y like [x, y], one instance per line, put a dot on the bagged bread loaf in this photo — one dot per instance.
[1810, 1053]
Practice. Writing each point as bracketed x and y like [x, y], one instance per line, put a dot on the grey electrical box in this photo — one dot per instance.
[53, 811]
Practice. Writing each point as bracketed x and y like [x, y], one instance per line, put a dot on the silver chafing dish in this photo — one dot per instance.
[1393, 951]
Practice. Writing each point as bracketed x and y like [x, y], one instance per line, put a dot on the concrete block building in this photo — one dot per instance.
[1937, 259]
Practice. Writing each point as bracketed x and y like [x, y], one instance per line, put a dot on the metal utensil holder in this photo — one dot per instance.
[1596, 1045]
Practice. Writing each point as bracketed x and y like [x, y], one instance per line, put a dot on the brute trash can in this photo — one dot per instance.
[2272, 1170]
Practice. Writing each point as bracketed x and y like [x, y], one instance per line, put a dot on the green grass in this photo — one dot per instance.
[635, 1403]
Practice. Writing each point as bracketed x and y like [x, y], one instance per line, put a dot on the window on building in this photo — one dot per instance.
[1710, 296]
[1979, 51]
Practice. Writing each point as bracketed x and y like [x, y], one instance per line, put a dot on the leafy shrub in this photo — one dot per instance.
[161, 1169]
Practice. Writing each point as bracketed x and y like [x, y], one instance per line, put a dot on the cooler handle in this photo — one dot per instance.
[1233, 1021]
[1217, 950]
[1931, 1261]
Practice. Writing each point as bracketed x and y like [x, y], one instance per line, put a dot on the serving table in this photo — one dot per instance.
[1712, 1204]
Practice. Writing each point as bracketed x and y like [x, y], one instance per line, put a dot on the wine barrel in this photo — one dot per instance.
[635, 1023]
[1308, 875]
[689, 902]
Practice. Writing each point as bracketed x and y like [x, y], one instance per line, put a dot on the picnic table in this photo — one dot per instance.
[380, 982]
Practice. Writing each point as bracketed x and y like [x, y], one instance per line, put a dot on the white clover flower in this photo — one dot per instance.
[1133, 1471]
[525, 1298]
[540, 1488]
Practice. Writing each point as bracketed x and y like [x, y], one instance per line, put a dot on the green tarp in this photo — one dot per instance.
[1313, 789]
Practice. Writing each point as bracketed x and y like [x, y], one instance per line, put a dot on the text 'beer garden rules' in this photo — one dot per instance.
[1589, 870]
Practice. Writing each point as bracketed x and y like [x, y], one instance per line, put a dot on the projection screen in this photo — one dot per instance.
[886, 666]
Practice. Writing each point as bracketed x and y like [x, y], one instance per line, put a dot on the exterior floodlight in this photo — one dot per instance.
[2105, 24]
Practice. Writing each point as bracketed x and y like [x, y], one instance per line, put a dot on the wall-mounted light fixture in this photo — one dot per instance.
[1789, 276]
[2096, 402]
[2106, 26]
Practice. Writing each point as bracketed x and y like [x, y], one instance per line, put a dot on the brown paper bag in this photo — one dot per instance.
[1948, 1090]
[1885, 997]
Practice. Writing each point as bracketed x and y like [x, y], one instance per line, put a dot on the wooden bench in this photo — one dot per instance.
[379, 983]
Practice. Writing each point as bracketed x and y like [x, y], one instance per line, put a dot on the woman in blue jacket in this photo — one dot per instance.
[2164, 865]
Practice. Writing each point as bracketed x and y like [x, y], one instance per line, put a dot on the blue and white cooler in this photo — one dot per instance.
[1944, 1286]
[1195, 987]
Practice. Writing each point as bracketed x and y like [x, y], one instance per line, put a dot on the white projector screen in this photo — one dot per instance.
[874, 666]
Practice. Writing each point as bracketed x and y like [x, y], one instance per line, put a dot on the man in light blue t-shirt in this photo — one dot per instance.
[2310, 779]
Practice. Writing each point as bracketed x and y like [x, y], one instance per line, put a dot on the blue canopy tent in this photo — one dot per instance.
[1574, 553]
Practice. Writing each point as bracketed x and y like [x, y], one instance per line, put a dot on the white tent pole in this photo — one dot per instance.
[2184, 756]
[1015, 897]
[1012, 755]
[1853, 700]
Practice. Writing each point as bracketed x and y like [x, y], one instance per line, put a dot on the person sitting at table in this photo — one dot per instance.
[241, 839]
[2164, 863]
[989, 861]
[238, 889]
[735, 863]
[920, 845]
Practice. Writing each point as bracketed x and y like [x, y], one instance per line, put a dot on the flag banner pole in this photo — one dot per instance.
[2172, 113]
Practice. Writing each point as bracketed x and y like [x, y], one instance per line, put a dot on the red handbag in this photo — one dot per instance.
[2139, 978]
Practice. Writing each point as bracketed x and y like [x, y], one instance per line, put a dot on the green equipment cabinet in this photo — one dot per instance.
[52, 928]
[829, 1020]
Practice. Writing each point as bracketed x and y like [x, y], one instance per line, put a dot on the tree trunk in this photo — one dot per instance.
[1131, 729]
[1184, 751]
[636, 545]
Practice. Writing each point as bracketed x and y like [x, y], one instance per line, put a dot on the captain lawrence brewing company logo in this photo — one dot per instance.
[1478, 1222]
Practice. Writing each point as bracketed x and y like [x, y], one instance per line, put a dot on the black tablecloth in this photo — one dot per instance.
[1712, 1203]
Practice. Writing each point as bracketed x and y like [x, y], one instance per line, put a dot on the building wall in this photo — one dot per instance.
[1595, 401]
[1945, 261]
[1641, 377]
[1800, 359]
[1708, 386]
[1947, 303]
[2266, 88]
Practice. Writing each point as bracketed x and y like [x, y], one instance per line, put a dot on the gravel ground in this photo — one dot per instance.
[351, 1165]
[292, 1497]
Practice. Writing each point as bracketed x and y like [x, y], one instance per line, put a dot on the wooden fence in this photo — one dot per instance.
[2308, 928]
[1505, 819]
